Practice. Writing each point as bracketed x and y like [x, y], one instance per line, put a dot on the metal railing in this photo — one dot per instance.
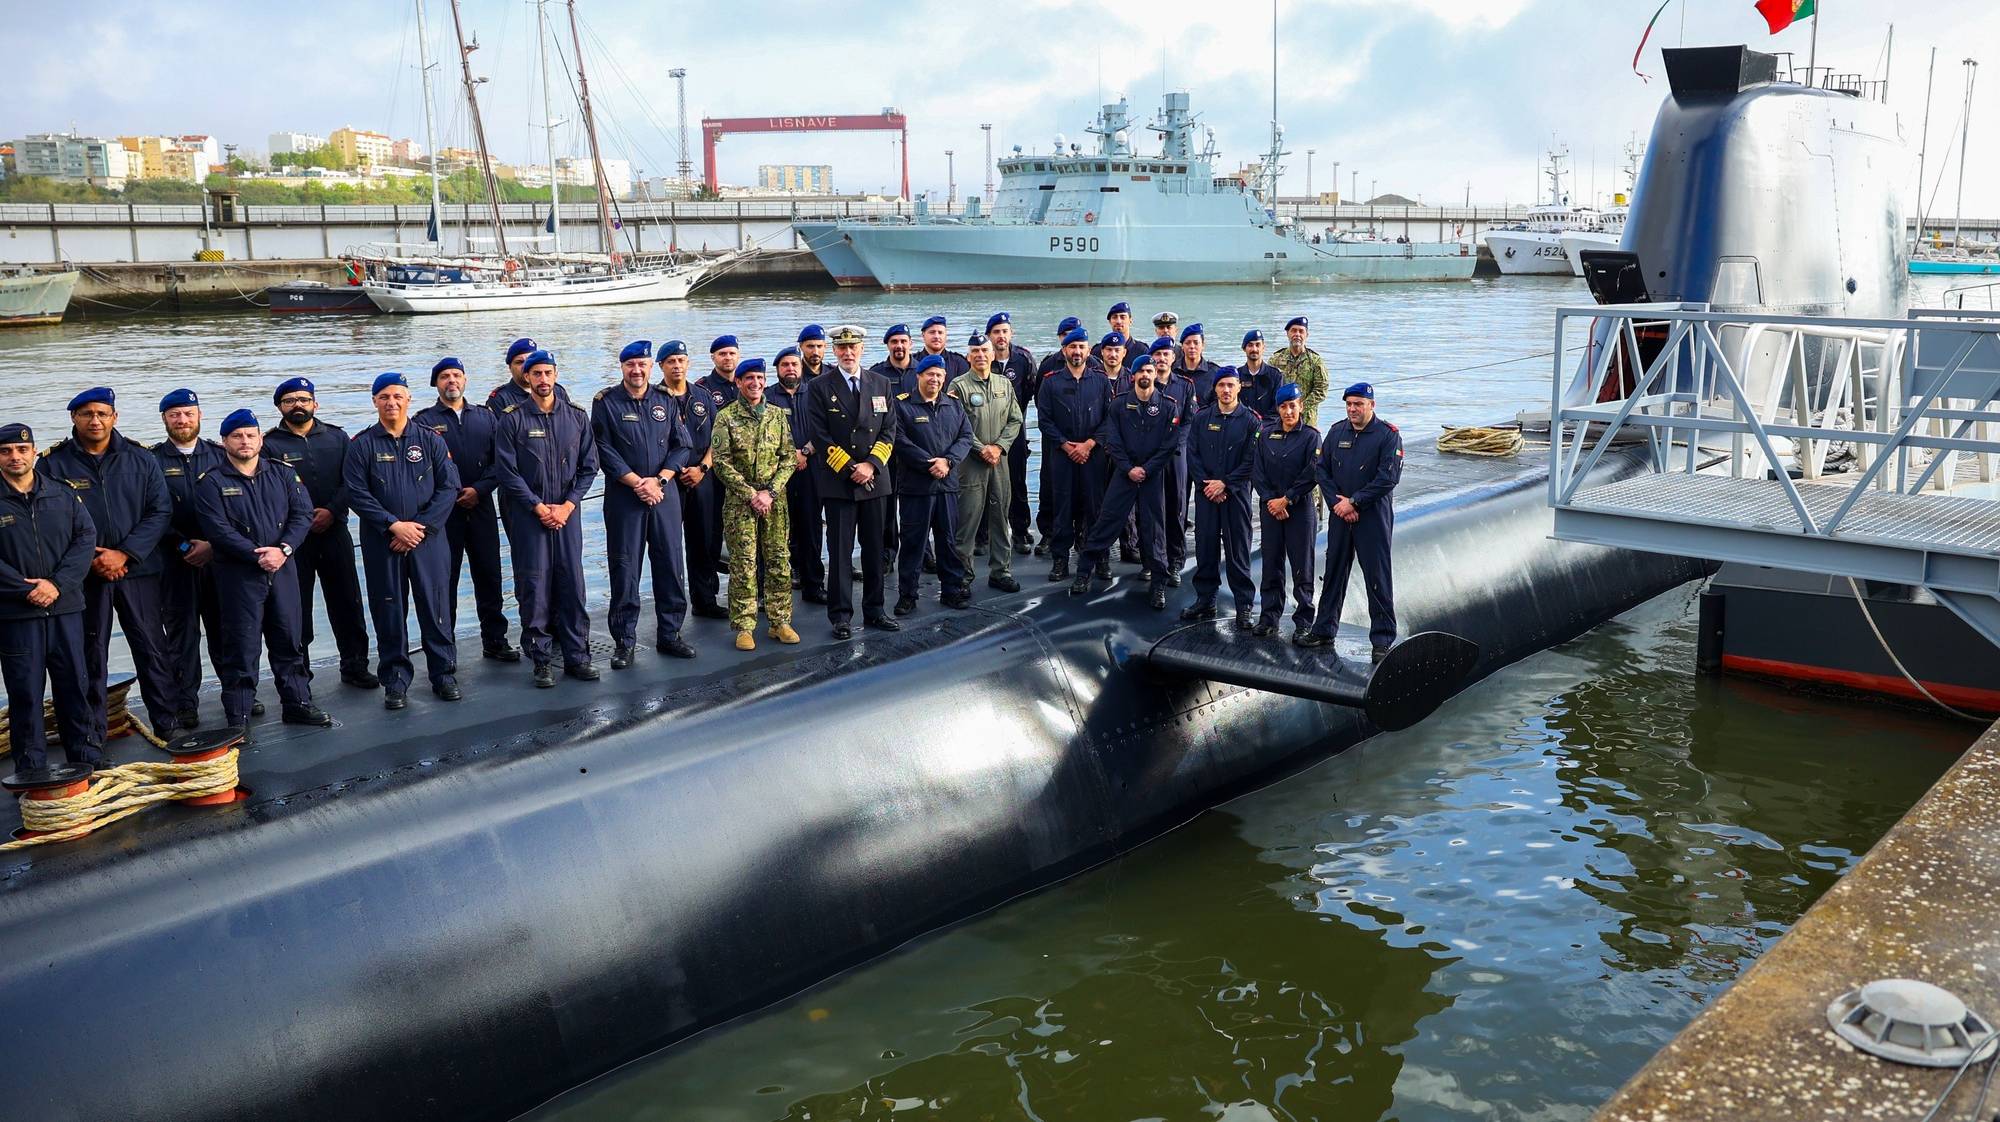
[1751, 396]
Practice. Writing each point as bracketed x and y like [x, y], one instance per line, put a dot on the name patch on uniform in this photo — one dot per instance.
[1214, 428]
[659, 412]
[1347, 444]
[414, 454]
[537, 433]
[438, 429]
[78, 484]
[920, 419]
[174, 471]
[6, 520]
[634, 417]
[228, 492]
[385, 457]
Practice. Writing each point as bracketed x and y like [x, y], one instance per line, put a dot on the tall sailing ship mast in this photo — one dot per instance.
[524, 279]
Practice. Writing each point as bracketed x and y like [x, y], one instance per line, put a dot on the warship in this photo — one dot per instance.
[1112, 216]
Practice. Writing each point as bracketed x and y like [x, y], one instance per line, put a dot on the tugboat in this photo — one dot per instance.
[1536, 245]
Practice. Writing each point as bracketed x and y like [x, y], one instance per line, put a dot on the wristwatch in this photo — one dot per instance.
[285, 548]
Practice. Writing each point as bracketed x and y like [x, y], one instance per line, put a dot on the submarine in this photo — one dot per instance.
[461, 912]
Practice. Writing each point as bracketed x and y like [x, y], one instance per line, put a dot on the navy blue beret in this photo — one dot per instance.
[1112, 339]
[95, 395]
[1069, 324]
[1252, 336]
[637, 348]
[1076, 335]
[1295, 321]
[1161, 344]
[670, 348]
[975, 340]
[750, 366]
[292, 385]
[175, 399]
[789, 352]
[1121, 308]
[812, 331]
[930, 362]
[1139, 360]
[538, 358]
[895, 329]
[16, 433]
[721, 341]
[385, 380]
[1288, 392]
[444, 364]
[241, 419]
[1190, 329]
[998, 318]
[1229, 372]
[934, 321]
[520, 347]
[1359, 389]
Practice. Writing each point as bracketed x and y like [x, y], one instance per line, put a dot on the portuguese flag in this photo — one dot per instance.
[1781, 14]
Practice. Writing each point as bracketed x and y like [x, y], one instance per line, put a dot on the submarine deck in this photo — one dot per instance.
[289, 768]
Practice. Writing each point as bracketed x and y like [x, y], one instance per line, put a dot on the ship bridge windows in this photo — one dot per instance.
[1121, 167]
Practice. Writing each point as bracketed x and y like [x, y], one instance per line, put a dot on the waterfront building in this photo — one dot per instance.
[360, 146]
[283, 142]
[75, 159]
[796, 179]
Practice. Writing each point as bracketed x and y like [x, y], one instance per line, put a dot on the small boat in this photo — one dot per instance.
[417, 290]
[31, 299]
[307, 297]
[1536, 245]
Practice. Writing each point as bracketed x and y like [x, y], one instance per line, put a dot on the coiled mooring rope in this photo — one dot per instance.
[1472, 441]
[120, 791]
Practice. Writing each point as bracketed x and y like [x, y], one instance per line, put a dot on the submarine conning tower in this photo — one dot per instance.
[1770, 195]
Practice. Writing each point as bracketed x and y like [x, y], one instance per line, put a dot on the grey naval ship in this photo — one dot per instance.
[1115, 217]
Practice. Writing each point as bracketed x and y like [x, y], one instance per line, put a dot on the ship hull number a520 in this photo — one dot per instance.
[1072, 244]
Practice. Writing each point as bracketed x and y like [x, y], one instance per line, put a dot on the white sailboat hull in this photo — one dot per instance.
[500, 295]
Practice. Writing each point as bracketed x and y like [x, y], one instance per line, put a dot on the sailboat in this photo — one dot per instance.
[527, 278]
[1957, 258]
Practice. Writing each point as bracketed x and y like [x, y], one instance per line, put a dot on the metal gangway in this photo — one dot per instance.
[1864, 448]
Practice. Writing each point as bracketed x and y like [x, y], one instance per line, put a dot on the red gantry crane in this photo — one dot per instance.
[889, 120]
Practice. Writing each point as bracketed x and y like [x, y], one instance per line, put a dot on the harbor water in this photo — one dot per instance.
[1498, 914]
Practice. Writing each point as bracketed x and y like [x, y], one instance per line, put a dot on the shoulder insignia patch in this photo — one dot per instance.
[902, 397]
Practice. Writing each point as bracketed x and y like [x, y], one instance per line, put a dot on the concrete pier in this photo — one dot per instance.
[126, 287]
[1920, 905]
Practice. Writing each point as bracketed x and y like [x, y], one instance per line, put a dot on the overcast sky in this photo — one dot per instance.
[1428, 98]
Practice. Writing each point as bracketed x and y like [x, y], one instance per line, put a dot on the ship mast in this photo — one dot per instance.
[542, 33]
[590, 129]
[436, 230]
[478, 129]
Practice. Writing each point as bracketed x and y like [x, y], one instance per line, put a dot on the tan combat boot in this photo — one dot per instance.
[783, 633]
[745, 641]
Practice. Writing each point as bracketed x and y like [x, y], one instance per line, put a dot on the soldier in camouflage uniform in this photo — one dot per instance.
[753, 459]
[1300, 363]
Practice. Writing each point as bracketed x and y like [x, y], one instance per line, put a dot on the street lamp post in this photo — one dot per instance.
[1310, 197]
[950, 181]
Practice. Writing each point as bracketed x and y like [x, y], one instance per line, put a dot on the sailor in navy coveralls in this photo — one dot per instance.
[1221, 448]
[256, 514]
[46, 545]
[1288, 514]
[473, 531]
[1141, 434]
[546, 461]
[402, 484]
[122, 487]
[1360, 463]
[642, 447]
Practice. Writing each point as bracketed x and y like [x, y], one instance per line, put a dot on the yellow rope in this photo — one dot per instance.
[118, 720]
[1480, 441]
[120, 791]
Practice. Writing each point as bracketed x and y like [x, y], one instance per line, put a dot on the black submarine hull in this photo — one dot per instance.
[462, 915]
